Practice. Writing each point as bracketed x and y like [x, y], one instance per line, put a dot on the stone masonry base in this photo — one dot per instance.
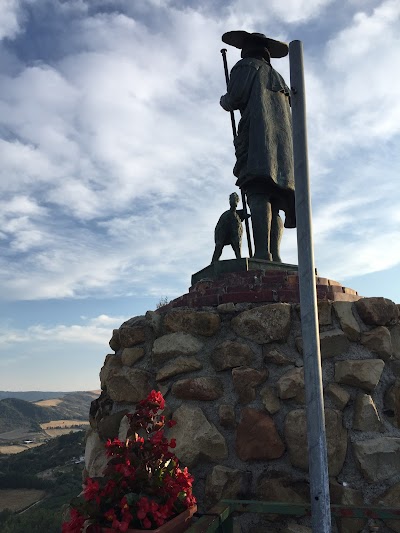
[232, 376]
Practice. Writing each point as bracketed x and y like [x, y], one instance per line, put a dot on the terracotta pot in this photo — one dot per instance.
[179, 524]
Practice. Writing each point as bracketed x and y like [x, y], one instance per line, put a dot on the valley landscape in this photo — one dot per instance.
[41, 457]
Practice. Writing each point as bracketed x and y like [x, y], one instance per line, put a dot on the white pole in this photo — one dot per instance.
[317, 453]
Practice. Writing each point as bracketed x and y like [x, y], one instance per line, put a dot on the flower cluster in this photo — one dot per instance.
[143, 485]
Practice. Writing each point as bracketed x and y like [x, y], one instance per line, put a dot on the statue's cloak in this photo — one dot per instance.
[263, 145]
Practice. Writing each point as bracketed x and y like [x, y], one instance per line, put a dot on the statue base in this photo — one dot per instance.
[244, 264]
[244, 280]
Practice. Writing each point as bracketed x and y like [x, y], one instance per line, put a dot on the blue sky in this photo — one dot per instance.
[116, 161]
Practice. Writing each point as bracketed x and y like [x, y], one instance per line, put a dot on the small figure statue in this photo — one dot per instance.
[229, 229]
[263, 145]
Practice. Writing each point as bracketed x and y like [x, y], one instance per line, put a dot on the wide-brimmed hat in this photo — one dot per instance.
[240, 38]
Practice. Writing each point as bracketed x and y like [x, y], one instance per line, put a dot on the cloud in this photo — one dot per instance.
[291, 11]
[117, 160]
[96, 330]
[364, 66]
[9, 21]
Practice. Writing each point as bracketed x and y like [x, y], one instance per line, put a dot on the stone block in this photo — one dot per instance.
[195, 322]
[364, 373]
[154, 321]
[377, 311]
[130, 356]
[378, 458]
[174, 345]
[390, 498]
[203, 388]
[95, 454]
[226, 308]
[111, 362]
[324, 313]
[347, 320]
[231, 354]
[264, 324]
[343, 495]
[100, 408]
[180, 365]
[131, 336]
[257, 437]
[332, 343]
[274, 355]
[395, 337]
[108, 427]
[223, 483]
[290, 384]
[227, 417]
[378, 340]
[295, 429]
[366, 417]
[245, 380]
[338, 395]
[115, 343]
[280, 487]
[270, 400]
[195, 437]
[392, 403]
[130, 385]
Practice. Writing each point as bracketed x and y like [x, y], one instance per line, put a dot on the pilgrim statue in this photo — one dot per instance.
[263, 144]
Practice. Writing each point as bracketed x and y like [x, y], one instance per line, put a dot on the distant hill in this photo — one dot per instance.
[56, 452]
[31, 396]
[17, 414]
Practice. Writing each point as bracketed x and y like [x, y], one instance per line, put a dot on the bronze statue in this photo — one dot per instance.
[263, 144]
[229, 229]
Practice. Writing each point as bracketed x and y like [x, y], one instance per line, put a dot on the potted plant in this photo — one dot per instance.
[143, 487]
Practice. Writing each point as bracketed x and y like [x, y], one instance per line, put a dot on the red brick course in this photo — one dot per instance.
[255, 286]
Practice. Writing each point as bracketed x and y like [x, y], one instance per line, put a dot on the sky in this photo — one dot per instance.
[116, 161]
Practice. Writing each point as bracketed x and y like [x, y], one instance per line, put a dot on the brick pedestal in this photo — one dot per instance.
[273, 285]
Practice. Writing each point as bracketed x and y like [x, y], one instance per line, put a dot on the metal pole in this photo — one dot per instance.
[246, 220]
[317, 452]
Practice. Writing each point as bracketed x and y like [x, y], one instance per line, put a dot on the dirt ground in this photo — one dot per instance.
[57, 424]
[17, 448]
[49, 403]
[17, 499]
[57, 432]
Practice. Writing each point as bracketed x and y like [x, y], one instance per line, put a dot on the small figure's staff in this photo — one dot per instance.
[246, 220]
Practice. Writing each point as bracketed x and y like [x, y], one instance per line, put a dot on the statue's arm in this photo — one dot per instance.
[239, 87]
[242, 214]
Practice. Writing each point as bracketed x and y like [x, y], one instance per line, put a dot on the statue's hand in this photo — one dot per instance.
[222, 102]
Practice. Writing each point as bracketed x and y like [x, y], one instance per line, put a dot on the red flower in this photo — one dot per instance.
[75, 523]
[91, 491]
[143, 485]
[110, 515]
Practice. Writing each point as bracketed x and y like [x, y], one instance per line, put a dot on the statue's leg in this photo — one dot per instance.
[236, 249]
[276, 234]
[217, 252]
[261, 215]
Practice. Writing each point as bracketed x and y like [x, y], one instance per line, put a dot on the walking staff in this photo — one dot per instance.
[246, 220]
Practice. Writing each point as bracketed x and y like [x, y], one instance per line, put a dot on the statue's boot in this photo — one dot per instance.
[261, 215]
[276, 235]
